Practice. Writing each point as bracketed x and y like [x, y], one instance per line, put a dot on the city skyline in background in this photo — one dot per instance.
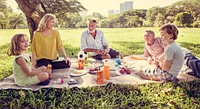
[104, 7]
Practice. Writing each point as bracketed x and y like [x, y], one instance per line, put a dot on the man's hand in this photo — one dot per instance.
[104, 52]
[98, 51]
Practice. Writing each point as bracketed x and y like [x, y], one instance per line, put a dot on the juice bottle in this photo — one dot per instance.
[99, 76]
[118, 61]
[80, 64]
[106, 70]
[49, 68]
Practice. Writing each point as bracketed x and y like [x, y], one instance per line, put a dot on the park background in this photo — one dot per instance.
[124, 33]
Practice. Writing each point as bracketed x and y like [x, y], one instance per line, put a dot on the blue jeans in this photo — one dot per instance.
[193, 63]
[113, 53]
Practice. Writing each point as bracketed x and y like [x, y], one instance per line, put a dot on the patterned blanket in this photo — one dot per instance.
[69, 79]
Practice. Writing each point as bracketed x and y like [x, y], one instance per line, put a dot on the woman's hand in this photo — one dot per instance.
[67, 60]
[150, 60]
[155, 62]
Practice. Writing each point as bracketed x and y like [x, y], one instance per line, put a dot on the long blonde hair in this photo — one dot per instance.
[43, 22]
[14, 48]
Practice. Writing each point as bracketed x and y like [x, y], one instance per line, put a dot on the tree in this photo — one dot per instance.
[190, 6]
[184, 19]
[152, 13]
[104, 23]
[71, 20]
[134, 18]
[114, 21]
[98, 15]
[34, 10]
[17, 20]
[5, 14]
[159, 21]
[82, 23]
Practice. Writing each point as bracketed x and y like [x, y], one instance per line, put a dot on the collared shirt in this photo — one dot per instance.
[87, 41]
[154, 50]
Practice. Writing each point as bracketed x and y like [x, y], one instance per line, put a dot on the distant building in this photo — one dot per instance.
[111, 12]
[128, 5]
[122, 7]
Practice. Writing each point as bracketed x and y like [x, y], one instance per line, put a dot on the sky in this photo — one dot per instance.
[102, 6]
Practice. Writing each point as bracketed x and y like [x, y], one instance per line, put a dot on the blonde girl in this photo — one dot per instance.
[46, 44]
[23, 74]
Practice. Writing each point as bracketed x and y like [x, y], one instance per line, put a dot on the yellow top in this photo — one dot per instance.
[46, 46]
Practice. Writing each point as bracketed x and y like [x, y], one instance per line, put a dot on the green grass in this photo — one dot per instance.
[111, 96]
[126, 40]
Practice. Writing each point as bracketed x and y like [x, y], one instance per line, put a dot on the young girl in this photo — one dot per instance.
[23, 74]
[173, 57]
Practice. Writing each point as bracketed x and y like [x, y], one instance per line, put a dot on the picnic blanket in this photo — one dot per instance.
[88, 79]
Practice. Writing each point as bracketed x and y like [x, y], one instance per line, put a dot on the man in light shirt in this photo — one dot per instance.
[93, 41]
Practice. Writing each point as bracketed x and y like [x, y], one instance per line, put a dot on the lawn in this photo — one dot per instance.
[126, 40]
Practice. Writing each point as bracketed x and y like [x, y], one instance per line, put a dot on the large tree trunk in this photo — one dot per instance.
[34, 11]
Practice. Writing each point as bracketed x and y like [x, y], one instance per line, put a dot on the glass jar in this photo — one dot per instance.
[99, 76]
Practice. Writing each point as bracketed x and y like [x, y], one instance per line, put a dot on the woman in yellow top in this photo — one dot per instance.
[46, 44]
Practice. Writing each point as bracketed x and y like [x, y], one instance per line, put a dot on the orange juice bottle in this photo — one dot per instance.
[80, 64]
[49, 67]
[106, 70]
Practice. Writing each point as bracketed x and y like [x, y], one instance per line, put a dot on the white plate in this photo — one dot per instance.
[112, 64]
[78, 72]
[92, 72]
[109, 60]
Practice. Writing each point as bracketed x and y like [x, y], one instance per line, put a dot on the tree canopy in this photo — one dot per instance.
[36, 9]
[9, 19]
[183, 13]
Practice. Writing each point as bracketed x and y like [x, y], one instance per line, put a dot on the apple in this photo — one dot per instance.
[121, 71]
[128, 71]
[62, 81]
